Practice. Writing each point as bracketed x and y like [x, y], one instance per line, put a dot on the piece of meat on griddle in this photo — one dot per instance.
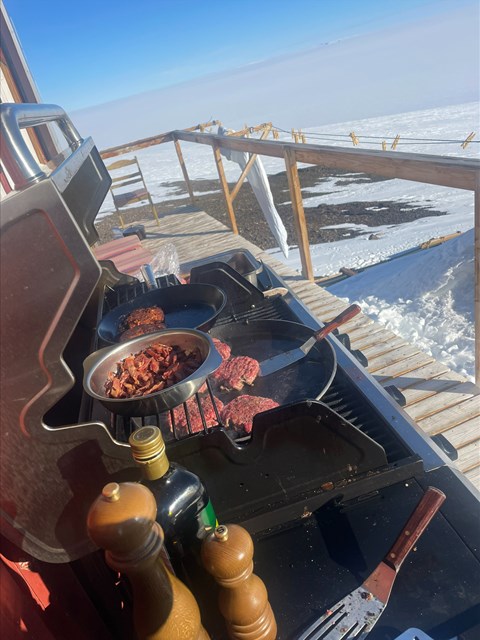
[239, 412]
[222, 348]
[236, 372]
[145, 315]
[141, 330]
[196, 422]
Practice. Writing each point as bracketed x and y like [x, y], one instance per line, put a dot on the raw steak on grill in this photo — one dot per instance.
[239, 412]
[196, 422]
[222, 348]
[235, 372]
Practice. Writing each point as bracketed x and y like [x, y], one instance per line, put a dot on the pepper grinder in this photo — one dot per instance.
[227, 553]
[122, 521]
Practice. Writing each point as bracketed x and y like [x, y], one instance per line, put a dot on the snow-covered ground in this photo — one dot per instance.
[426, 297]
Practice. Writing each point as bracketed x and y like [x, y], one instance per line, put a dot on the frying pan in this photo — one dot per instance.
[186, 306]
[308, 378]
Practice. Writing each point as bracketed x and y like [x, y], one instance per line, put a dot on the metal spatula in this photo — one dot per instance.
[282, 360]
[354, 617]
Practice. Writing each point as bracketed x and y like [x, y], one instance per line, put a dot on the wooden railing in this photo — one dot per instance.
[458, 173]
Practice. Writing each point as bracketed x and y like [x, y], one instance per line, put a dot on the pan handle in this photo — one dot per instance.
[416, 525]
[346, 315]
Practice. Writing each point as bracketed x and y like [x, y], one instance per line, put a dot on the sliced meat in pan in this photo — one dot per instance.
[222, 348]
[236, 372]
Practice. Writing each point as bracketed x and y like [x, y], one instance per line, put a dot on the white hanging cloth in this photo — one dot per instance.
[257, 177]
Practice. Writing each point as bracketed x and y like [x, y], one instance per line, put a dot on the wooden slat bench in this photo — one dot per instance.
[127, 254]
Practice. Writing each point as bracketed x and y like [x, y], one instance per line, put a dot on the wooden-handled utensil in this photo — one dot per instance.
[282, 360]
[354, 617]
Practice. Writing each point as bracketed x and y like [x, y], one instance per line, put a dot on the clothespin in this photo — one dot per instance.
[467, 140]
[395, 142]
[384, 145]
[354, 138]
[304, 139]
[293, 133]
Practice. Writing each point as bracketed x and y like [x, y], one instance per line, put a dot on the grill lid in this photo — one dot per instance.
[47, 277]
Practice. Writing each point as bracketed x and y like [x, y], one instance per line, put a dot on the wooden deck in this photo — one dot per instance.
[438, 400]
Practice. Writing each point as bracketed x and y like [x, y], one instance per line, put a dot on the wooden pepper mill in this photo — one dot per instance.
[227, 553]
[122, 521]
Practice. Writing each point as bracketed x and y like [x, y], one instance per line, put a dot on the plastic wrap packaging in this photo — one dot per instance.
[165, 260]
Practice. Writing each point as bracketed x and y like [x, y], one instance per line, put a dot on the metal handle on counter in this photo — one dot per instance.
[19, 162]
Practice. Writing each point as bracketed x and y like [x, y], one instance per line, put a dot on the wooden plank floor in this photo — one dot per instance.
[438, 400]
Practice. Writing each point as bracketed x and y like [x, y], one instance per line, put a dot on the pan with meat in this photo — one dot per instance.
[187, 306]
[253, 342]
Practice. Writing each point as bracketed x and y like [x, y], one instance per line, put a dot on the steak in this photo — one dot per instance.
[235, 372]
[141, 330]
[147, 315]
[239, 412]
[196, 423]
[222, 348]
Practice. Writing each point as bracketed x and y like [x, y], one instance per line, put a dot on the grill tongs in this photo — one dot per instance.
[354, 617]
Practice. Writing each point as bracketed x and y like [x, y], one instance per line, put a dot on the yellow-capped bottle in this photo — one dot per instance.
[184, 510]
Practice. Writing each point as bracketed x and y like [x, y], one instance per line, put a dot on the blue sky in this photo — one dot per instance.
[90, 52]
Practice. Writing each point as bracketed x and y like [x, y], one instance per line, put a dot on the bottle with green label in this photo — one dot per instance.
[185, 512]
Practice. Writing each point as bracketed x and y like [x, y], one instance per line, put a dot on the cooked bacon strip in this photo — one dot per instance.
[155, 368]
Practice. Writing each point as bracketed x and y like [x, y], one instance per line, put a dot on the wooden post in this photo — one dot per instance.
[247, 168]
[178, 149]
[477, 281]
[225, 189]
[298, 212]
[467, 140]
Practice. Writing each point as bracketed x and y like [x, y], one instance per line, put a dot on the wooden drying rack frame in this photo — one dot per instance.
[457, 173]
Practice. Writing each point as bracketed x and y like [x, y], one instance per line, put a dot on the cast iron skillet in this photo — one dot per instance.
[186, 306]
[308, 378]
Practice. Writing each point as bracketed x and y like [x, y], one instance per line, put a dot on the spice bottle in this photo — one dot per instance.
[184, 510]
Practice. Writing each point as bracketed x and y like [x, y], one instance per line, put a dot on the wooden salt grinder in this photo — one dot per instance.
[227, 553]
[122, 521]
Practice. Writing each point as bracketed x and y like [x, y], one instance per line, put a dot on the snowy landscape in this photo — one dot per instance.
[426, 297]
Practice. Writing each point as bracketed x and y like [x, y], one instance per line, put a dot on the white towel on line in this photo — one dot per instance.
[258, 179]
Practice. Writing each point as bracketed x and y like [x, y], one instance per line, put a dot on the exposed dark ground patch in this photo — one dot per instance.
[252, 225]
